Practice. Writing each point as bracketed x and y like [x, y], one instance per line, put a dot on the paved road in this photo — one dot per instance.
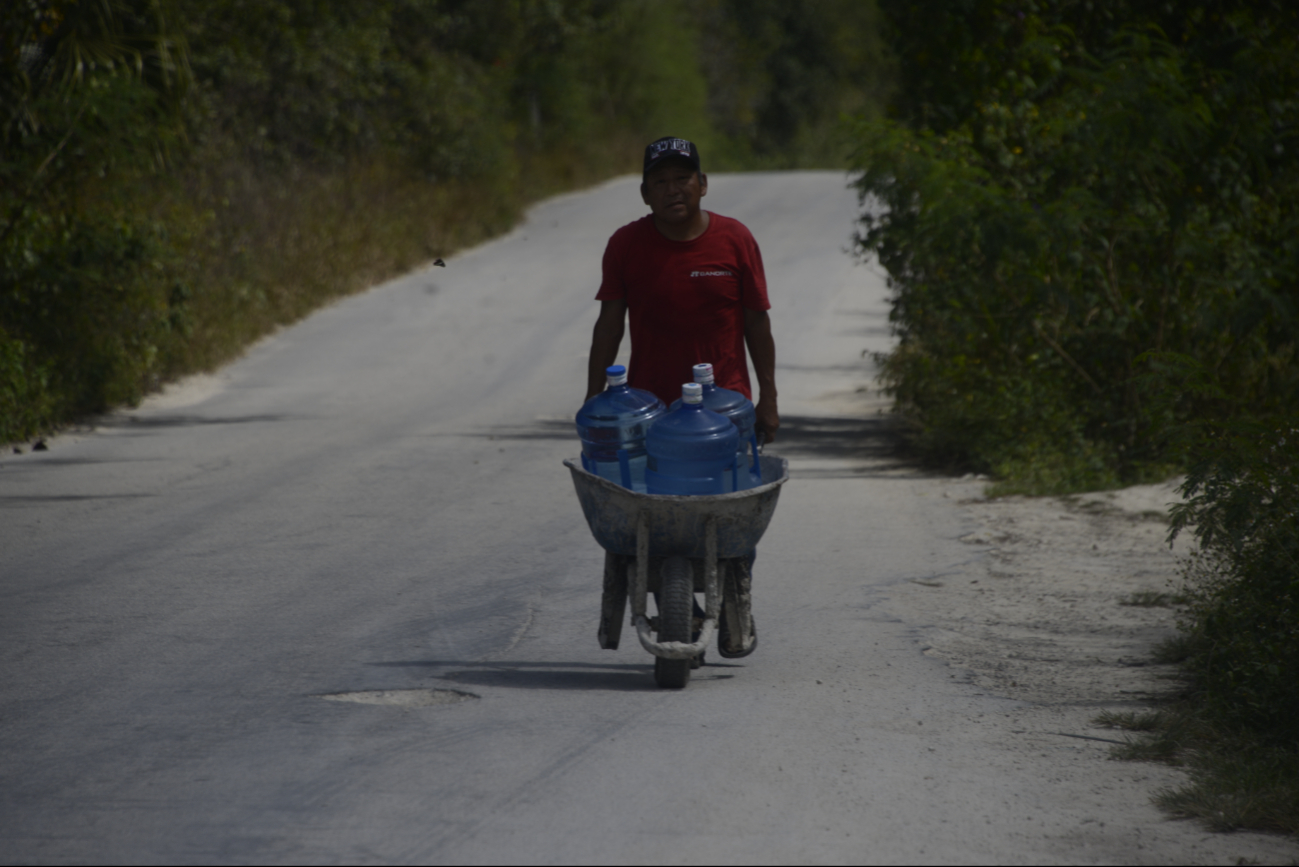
[374, 500]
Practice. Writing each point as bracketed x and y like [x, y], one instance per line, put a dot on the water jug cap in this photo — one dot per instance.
[703, 373]
[617, 375]
[692, 392]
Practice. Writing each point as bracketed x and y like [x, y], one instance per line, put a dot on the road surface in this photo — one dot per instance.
[371, 505]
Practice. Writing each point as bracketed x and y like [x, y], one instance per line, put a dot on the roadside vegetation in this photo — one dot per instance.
[1236, 729]
[179, 178]
[1088, 214]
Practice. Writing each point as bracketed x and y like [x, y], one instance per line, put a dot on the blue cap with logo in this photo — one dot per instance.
[669, 148]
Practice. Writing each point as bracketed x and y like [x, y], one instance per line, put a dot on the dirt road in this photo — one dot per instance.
[338, 603]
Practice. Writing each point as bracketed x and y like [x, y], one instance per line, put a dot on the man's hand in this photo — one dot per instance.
[768, 419]
[762, 349]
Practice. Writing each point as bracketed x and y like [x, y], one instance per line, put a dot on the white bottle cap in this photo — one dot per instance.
[692, 392]
[703, 373]
[617, 375]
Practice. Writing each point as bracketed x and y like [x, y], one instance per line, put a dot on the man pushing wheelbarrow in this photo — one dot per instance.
[692, 284]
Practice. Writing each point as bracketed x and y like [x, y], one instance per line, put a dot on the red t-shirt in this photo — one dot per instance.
[686, 302]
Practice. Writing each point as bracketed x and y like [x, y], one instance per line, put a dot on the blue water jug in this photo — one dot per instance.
[612, 426]
[739, 409]
[691, 449]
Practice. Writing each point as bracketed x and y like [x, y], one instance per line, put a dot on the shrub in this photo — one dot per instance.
[1067, 190]
[24, 393]
[1242, 502]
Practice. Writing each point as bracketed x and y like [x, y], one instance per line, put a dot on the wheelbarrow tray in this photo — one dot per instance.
[677, 525]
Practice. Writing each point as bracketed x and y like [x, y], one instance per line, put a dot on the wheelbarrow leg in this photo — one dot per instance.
[737, 636]
[712, 581]
[613, 604]
[640, 574]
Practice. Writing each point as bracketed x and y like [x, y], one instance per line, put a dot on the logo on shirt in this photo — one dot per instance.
[711, 274]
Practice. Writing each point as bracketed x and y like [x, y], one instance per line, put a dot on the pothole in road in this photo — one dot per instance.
[402, 697]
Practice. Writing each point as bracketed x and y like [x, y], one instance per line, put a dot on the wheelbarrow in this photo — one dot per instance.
[676, 546]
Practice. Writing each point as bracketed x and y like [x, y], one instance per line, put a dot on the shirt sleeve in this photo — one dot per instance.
[612, 285]
[753, 286]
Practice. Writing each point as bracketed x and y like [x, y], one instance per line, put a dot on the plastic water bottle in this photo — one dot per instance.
[739, 409]
[612, 426]
[691, 449]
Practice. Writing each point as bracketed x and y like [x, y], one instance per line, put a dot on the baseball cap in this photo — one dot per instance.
[666, 148]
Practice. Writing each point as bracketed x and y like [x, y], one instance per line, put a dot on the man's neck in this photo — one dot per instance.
[687, 230]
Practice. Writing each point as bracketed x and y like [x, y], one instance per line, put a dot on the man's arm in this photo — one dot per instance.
[605, 341]
[762, 349]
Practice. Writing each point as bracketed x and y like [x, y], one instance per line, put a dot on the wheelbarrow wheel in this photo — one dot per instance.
[676, 598]
[613, 603]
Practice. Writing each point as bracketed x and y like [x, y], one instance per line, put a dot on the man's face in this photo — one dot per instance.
[673, 191]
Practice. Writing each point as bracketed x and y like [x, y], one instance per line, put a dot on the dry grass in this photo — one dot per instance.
[1236, 780]
[260, 249]
[1254, 788]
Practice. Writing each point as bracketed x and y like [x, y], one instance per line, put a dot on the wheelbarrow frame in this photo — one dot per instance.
[716, 533]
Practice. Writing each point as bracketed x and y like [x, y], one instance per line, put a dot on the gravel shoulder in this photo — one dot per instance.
[1043, 616]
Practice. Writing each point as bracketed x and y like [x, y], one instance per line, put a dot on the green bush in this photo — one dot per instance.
[24, 392]
[781, 75]
[1242, 503]
[1069, 189]
[89, 306]
[89, 102]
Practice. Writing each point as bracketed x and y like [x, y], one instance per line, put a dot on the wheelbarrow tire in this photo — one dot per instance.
[676, 617]
[613, 603]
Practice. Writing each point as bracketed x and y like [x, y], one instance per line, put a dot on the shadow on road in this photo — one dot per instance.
[578, 676]
[541, 429]
[837, 438]
[28, 499]
[165, 421]
[863, 447]
[867, 438]
[867, 441]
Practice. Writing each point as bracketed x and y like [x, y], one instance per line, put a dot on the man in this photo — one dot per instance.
[693, 286]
